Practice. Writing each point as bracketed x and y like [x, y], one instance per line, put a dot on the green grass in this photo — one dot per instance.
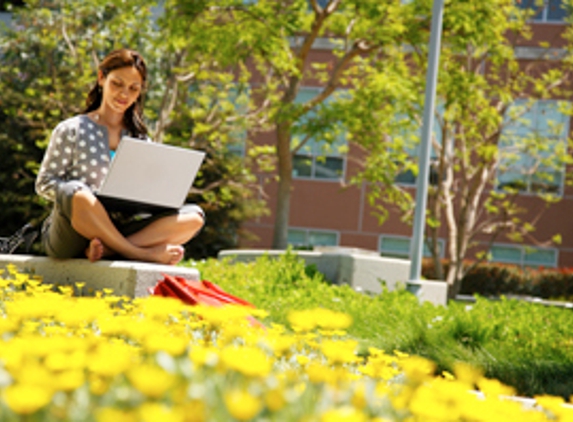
[525, 345]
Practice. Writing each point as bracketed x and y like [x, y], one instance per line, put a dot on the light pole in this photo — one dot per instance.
[417, 245]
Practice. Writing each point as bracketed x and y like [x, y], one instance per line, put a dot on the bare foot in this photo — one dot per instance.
[167, 254]
[94, 251]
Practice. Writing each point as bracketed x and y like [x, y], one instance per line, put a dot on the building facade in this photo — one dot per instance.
[327, 211]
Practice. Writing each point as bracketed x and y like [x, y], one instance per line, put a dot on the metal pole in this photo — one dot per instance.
[417, 245]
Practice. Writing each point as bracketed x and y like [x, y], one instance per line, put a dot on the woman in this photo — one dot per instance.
[76, 162]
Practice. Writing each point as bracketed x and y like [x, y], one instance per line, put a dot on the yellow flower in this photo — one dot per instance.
[492, 387]
[159, 307]
[302, 320]
[68, 380]
[359, 399]
[274, 399]
[33, 373]
[156, 412]
[417, 368]
[110, 414]
[467, 374]
[25, 399]
[318, 373]
[280, 344]
[172, 345]
[248, 360]
[203, 355]
[151, 380]
[242, 405]
[307, 320]
[339, 351]
[111, 359]
[195, 411]
[98, 385]
[343, 414]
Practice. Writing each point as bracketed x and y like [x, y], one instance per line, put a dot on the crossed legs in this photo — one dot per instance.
[158, 242]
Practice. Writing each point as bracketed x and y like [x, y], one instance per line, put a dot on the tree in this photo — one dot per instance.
[49, 61]
[277, 37]
[485, 94]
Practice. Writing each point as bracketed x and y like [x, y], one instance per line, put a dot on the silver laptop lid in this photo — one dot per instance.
[151, 173]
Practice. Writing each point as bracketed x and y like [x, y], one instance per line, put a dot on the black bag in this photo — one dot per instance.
[26, 235]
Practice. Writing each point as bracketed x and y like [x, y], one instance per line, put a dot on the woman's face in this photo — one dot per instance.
[121, 88]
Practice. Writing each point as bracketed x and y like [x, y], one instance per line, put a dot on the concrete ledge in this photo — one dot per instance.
[363, 270]
[125, 278]
[366, 271]
[429, 291]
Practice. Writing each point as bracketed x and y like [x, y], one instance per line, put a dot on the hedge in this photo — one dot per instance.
[495, 279]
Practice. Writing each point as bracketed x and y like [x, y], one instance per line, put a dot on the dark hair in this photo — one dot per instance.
[133, 117]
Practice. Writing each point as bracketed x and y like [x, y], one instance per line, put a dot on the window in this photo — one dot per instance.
[524, 255]
[545, 11]
[308, 238]
[317, 159]
[409, 134]
[532, 140]
[399, 246]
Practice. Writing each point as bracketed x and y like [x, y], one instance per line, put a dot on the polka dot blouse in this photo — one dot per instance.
[78, 150]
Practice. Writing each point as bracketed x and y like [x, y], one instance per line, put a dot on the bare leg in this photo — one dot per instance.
[90, 219]
[171, 230]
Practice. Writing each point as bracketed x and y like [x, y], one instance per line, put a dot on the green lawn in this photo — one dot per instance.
[525, 345]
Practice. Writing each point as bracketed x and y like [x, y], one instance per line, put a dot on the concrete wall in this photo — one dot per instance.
[127, 278]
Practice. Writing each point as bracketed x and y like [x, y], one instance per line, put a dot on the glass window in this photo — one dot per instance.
[399, 246]
[308, 238]
[524, 255]
[533, 132]
[409, 139]
[545, 11]
[317, 158]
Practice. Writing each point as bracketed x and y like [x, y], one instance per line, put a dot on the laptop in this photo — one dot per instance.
[149, 177]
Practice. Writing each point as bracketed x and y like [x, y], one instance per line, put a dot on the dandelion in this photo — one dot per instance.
[343, 414]
[204, 355]
[242, 405]
[172, 345]
[338, 352]
[25, 399]
[156, 412]
[247, 360]
[492, 387]
[151, 380]
[109, 414]
[274, 399]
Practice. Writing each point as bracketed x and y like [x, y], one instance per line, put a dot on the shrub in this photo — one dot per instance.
[495, 279]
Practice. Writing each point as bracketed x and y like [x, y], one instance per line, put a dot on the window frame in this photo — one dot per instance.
[528, 180]
[426, 253]
[307, 231]
[314, 157]
[523, 254]
[544, 13]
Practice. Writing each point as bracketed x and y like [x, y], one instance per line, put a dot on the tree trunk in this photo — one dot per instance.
[454, 278]
[282, 212]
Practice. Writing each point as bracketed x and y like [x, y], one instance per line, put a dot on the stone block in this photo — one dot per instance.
[364, 270]
[433, 291]
[125, 278]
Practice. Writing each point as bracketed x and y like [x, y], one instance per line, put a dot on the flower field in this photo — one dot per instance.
[64, 357]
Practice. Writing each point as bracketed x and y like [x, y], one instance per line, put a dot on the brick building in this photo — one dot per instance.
[325, 210]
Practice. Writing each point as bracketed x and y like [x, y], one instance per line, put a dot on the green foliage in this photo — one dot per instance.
[481, 87]
[527, 346]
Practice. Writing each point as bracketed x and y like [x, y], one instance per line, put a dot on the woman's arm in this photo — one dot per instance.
[57, 160]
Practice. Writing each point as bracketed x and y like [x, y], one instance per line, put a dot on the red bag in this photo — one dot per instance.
[198, 293]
